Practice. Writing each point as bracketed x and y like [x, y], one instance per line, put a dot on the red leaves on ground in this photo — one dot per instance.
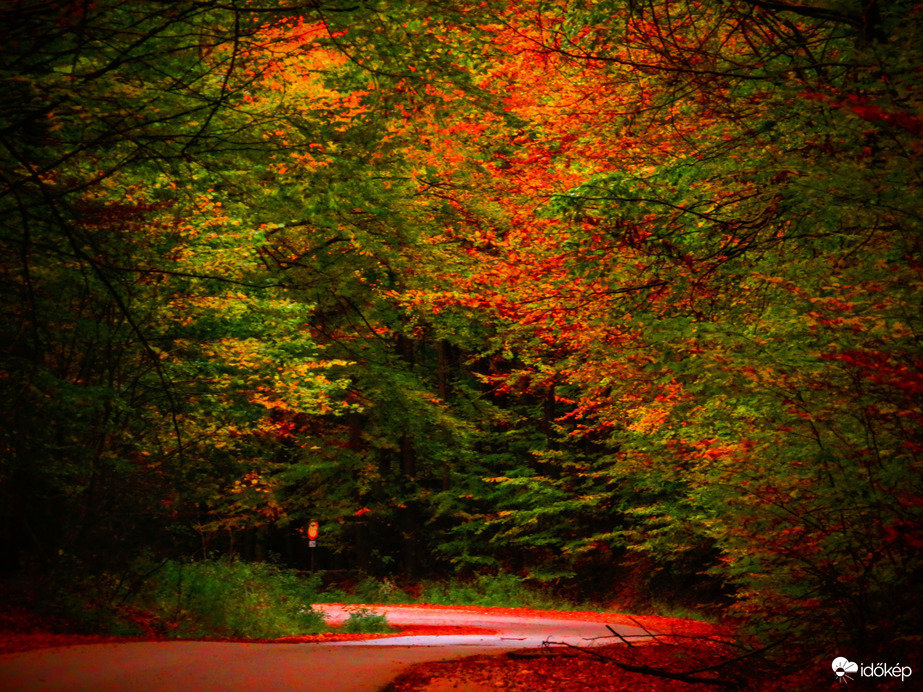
[21, 630]
[564, 670]
[693, 645]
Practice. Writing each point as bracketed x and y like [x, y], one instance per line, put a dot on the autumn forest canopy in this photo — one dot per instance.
[615, 295]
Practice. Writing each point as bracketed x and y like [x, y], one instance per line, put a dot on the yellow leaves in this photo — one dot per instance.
[253, 482]
[647, 419]
[255, 501]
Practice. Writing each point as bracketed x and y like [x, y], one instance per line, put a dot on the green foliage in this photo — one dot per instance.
[502, 590]
[731, 318]
[233, 599]
[384, 591]
[131, 298]
[210, 598]
[366, 621]
[532, 288]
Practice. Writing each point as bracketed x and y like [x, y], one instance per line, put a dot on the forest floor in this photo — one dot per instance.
[687, 645]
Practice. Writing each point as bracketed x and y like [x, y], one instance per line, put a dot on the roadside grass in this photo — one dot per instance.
[366, 621]
[234, 599]
[188, 600]
[503, 590]
[259, 600]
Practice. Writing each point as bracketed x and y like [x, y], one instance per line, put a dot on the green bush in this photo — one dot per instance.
[366, 621]
[236, 599]
[383, 591]
[504, 589]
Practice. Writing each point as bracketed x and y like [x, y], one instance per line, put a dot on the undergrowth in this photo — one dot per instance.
[187, 600]
[366, 621]
[501, 590]
[249, 600]
[237, 599]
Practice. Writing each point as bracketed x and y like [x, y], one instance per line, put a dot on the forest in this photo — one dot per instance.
[618, 296]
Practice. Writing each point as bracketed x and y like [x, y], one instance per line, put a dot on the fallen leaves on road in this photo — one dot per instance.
[687, 645]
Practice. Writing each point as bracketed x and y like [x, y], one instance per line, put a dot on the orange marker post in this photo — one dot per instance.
[313, 531]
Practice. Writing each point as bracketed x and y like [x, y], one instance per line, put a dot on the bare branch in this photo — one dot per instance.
[647, 670]
[808, 11]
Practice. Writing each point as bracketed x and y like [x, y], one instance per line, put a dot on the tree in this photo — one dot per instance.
[132, 300]
[721, 291]
[568, 282]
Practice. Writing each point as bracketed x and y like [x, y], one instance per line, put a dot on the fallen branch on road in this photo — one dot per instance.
[689, 676]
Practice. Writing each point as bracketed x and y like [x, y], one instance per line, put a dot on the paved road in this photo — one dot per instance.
[356, 666]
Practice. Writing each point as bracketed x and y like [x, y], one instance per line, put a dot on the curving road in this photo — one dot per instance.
[353, 666]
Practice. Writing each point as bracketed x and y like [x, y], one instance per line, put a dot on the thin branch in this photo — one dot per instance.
[685, 676]
[689, 677]
[808, 11]
[619, 635]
